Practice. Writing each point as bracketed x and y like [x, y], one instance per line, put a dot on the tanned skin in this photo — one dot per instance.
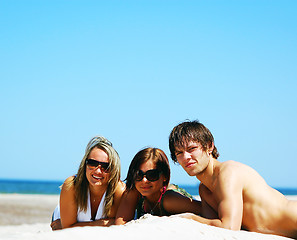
[235, 196]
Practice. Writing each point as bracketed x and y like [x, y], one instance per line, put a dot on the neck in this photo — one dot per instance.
[153, 199]
[153, 203]
[207, 176]
[97, 191]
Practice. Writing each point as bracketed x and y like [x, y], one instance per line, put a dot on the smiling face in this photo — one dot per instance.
[192, 158]
[147, 188]
[97, 177]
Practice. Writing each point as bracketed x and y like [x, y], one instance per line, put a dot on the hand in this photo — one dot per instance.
[56, 225]
[184, 215]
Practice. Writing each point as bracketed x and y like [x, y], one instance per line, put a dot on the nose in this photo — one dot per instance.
[187, 155]
[184, 156]
[98, 170]
[144, 179]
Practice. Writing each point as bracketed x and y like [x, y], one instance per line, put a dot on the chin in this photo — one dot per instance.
[191, 173]
[97, 183]
[145, 193]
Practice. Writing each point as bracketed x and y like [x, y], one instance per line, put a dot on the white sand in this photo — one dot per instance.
[18, 209]
[149, 227]
[36, 225]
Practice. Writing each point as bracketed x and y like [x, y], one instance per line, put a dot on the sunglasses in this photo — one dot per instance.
[93, 164]
[151, 175]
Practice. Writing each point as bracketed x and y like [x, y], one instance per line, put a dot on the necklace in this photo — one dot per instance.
[152, 209]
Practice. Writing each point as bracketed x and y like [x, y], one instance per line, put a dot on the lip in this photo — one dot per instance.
[190, 164]
[145, 187]
[97, 177]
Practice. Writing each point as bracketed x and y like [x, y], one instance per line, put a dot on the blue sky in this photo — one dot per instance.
[132, 70]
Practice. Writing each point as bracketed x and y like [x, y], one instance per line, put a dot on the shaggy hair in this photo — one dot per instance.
[191, 131]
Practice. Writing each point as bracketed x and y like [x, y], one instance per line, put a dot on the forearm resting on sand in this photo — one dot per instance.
[211, 222]
[101, 222]
[56, 225]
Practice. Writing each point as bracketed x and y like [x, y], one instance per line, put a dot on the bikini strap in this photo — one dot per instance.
[162, 193]
[160, 198]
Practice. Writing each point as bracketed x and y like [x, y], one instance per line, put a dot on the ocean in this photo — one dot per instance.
[29, 186]
[53, 187]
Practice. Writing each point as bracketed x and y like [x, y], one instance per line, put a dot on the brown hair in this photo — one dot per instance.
[154, 154]
[191, 131]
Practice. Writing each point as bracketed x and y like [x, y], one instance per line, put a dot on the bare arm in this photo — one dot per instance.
[68, 206]
[227, 217]
[228, 194]
[230, 208]
[100, 222]
[120, 189]
[208, 202]
[174, 203]
[127, 207]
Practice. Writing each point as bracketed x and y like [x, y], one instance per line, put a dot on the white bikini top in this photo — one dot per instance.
[84, 216]
[87, 216]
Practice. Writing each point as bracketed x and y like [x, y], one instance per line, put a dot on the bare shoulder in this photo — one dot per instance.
[67, 195]
[174, 203]
[238, 168]
[120, 189]
[172, 197]
[171, 194]
[233, 164]
[132, 195]
[231, 167]
[232, 175]
[121, 185]
[68, 184]
[69, 179]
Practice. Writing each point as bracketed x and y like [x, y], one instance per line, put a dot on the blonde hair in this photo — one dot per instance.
[81, 184]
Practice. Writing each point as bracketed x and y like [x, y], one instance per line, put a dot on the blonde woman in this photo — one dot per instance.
[92, 196]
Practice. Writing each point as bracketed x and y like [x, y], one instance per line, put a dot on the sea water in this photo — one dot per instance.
[53, 187]
[30, 186]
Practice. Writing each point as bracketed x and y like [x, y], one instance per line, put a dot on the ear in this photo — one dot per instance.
[163, 190]
[209, 150]
[165, 183]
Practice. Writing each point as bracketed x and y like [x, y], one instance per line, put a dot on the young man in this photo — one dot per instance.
[233, 195]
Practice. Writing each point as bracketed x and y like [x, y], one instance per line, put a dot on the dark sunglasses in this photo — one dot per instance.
[151, 175]
[92, 164]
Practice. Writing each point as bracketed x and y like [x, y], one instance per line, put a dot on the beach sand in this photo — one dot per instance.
[28, 217]
[16, 209]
